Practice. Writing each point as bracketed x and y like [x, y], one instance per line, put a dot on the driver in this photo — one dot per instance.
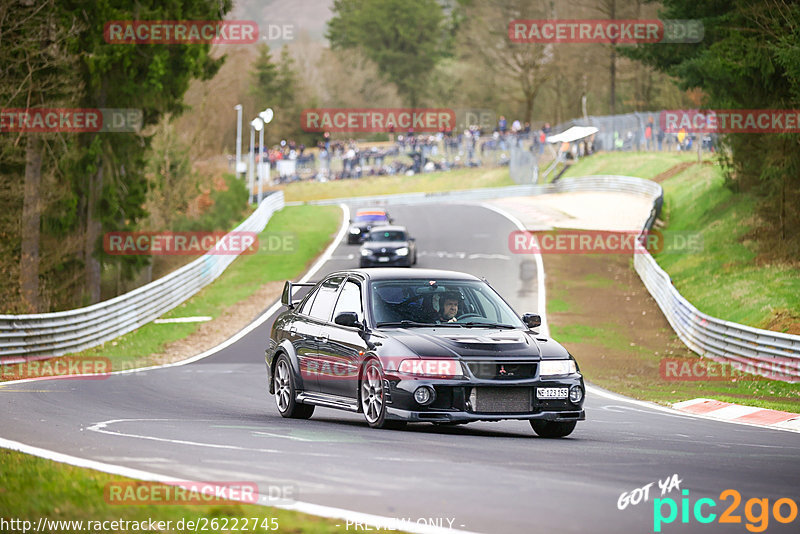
[448, 307]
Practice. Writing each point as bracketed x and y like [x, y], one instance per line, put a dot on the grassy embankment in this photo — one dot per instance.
[730, 278]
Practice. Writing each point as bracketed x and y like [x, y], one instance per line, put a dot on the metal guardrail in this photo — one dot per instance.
[753, 350]
[58, 333]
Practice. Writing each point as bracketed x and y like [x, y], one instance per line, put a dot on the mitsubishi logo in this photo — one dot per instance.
[502, 370]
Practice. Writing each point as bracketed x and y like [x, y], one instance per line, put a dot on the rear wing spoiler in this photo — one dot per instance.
[288, 295]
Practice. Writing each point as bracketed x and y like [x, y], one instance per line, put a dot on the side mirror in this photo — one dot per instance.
[532, 320]
[347, 319]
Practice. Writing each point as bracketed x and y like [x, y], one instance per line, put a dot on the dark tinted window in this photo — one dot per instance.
[391, 235]
[350, 300]
[325, 298]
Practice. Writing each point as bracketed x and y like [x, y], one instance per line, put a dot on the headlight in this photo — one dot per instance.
[355, 230]
[402, 251]
[442, 368]
[366, 252]
[557, 367]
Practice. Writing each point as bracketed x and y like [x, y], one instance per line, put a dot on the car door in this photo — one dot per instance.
[314, 315]
[343, 348]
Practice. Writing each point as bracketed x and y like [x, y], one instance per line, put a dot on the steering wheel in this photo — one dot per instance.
[468, 315]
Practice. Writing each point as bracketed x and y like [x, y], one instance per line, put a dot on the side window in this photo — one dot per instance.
[306, 308]
[350, 300]
[326, 297]
[489, 309]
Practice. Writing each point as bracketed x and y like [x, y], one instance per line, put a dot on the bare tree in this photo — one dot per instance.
[525, 66]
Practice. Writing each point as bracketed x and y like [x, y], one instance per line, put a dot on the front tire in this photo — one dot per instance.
[553, 429]
[373, 397]
[286, 392]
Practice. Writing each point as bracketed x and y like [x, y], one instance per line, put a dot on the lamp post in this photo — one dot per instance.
[238, 108]
[256, 124]
[265, 116]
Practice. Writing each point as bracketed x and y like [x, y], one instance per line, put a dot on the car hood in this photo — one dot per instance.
[473, 343]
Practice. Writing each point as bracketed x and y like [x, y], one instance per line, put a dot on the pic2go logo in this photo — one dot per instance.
[783, 510]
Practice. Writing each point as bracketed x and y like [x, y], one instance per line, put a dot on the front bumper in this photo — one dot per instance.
[393, 261]
[466, 417]
[482, 400]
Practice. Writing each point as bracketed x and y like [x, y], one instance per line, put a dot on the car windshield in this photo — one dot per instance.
[422, 302]
[371, 217]
[387, 235]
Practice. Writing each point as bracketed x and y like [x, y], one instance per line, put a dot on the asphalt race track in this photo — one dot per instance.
[213, 420]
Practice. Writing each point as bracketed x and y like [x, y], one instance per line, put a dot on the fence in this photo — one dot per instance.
[55, 334]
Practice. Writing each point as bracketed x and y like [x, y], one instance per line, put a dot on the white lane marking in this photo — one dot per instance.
[324, 257]
[341, 258]
[307, 508]
[544, 329]
[196, 319]
[284, 436]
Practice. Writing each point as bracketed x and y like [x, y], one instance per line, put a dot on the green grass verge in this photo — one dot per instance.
[639, 164]
[310, 229]
[723, 279]
[469, 178]
[32, 487]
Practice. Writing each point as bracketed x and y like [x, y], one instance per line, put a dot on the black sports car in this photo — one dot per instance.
[363, 221]
[387, 246]
[427, 346]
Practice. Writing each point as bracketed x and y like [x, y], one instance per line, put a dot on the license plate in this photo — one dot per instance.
[552, 393]
[383, 258]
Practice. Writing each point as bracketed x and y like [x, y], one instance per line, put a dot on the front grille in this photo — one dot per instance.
[501, 400]
[493, 370]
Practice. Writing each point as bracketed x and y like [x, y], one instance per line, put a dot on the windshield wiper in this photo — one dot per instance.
[487, 325]
[404, 323]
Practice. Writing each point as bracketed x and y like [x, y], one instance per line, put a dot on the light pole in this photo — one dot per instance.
[238, 108]
[260, 166]
[265, 116]
[256, 124]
